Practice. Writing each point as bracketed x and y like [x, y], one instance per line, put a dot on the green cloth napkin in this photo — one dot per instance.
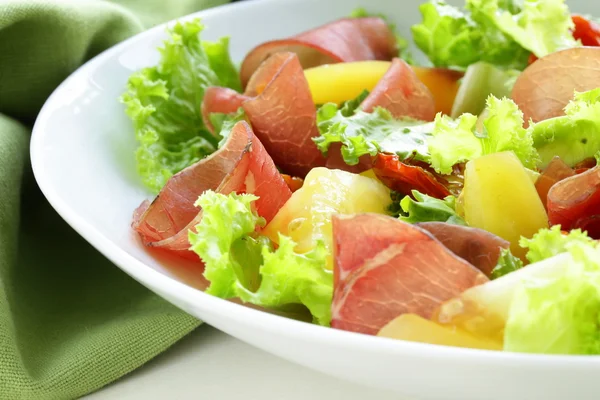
[70, 321]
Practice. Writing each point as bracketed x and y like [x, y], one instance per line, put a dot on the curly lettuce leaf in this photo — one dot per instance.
[502, 33]
[456, 141]
[542, 27]
[291, 278]
[362, 133]
[453, 141]
[451, 37]
[164, 103]
[549, 242]
[558, 312]
[221, 63]
[423, 208]
[507, 263]
[239, 263]
[227, 223]
[573, 137]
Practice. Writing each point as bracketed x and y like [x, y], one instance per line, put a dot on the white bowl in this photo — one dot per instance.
[82, 155]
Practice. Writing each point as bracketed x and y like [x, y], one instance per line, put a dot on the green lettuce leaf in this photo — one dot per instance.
[502, 33]
[164, 103]
[550, 242]
[573, 137]
[507, 263]
[424, 208]
[541, 27]
[558, 312]
[221, 63]
[239, 263]
[451, 37]
[349, 107]
[227, 223]
[456, 141]
[291, 278]
[362, 133]
[453, 141]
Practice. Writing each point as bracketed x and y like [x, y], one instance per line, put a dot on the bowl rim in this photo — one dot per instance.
[250, 317]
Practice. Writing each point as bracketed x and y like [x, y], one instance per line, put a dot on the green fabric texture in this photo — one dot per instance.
[70, 321]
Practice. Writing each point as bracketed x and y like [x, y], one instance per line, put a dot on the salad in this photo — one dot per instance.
[450, 196]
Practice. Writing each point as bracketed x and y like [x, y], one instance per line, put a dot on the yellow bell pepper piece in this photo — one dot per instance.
[336, 83]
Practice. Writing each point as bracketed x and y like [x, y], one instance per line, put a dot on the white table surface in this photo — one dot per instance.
[209, 364]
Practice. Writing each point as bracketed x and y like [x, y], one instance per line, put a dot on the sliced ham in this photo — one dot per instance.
[345, 40]
[242, 165]
[402, 93]
[384, 268]
[478, 247]
[545, 87]
[220, 100]
[278, 104]
[283, 114]
[575, 203]
[405, 178]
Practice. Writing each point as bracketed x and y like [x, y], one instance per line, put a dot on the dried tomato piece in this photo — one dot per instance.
[587, 31]
[293, 182]
[404, 178]
[555, 172]
[575, 203]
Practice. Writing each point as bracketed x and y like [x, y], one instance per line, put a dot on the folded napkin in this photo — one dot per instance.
[70, 321]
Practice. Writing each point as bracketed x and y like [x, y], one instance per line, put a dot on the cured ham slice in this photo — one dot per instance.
[278, 104]
[242, 165]
[345, 40]
[220, 100]
[405, 178]
[384, 268]
[545, 87]
[402, 93]
[575, 203]
[283, 114]
[478, 247]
